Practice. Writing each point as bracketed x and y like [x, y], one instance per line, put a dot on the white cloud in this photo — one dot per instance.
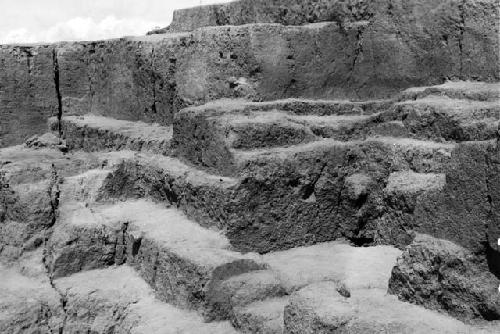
[29, 21]
[17, 35]
[81, 28]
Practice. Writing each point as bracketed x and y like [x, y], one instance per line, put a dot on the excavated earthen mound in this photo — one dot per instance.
[277, 167]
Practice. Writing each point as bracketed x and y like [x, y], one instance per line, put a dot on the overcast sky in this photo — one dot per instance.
[30, 21]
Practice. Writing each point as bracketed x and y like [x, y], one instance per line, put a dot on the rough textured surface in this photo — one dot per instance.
[443, 276]
[239, 291]
[28, 303]
[209, 135]
[476, 91]
[450, 119]
[134, 216]
[364, 50]
[262, 317]
[353, 267]
[290, 196]
[319, 308]
[118, 300]
[466, 211]
[27, 92]
[178, 258]
[96, 133]
[307, 184]
[304, 182]
[159, 318]
[31, 184]
[47, 140]
[239, 297]
[96, 301]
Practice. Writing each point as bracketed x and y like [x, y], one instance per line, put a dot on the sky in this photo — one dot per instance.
[34, 21]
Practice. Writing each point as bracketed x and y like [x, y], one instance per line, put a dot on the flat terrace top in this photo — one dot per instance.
[464, 85]
[224, 105]
[132, 129]
[479, 91]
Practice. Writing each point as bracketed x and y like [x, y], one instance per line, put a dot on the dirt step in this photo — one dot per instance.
[261, 317]
[180, 259]
[31, 189]
[244, 131]
[28, 303]
[118, 299]
[202, 196]
[477, 91]
[297, 106]
[444, 118]
[206, 134]
[338, 127]
[388, 153]
[97, 133]
[286, 197]
[204, 138]
[255, 301]
[23, 165]
[321, 308]
[352, 267]
[211, 150]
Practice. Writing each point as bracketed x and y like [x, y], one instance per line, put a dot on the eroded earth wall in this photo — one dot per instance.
[27, 92]
[352, 49]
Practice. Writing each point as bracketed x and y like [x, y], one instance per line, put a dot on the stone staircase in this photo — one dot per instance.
[271, 172]
[240, 217]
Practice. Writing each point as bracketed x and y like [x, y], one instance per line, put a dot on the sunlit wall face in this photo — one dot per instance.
[31, 21]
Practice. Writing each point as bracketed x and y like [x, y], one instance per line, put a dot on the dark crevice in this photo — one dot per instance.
[172, 197]
[156, 263]
[309, 189]
[29, 65]
[368, 216]
[362, 241]
[62, 298]
[489, 198]
[339, 203]
[153, 78]
[89, 77]
[461, 29]
[136, 246]
[120, 254]
[358, 50]
[58, 90]
[492, 255]
[4, 202]
[493, 260]
[361, 201]
[54, 195]
[390, 13]
[289, 86]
